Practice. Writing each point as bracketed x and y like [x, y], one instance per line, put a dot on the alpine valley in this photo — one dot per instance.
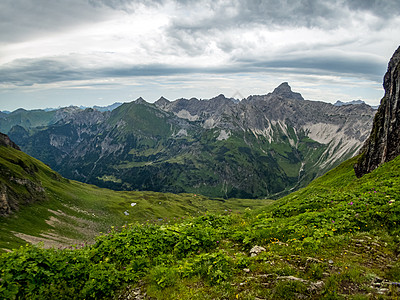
[261, 146]
[337, 238]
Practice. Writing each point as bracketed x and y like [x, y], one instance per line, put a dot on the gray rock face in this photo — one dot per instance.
[162, 102]
[5, 141]
[383, 144]
[343, 129]
[285, 91]
[12, 183]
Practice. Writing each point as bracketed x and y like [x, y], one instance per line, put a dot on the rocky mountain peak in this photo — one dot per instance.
[284, 90]
[383, 144]
[5, 141]
[162, 102]
[140, 100]
[220, 97]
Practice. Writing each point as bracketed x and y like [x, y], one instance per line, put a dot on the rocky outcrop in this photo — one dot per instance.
[256, 250]
[18, 184]
[5, 203]
[11, 199]
[383, 144]
[5, 141]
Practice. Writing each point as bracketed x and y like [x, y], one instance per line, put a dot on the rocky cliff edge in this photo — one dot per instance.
[383, 144]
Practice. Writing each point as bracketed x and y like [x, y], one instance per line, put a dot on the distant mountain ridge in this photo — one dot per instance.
[263, 146]
[353, 102]
[108, 107]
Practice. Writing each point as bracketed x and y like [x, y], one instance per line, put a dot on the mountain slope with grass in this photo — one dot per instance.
[338, 238]
[20, 182]
[38, 205]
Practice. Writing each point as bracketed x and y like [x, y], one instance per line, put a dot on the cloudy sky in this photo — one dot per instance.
[95, 52]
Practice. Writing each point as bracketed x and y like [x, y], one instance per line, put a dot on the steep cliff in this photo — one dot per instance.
[20, 181]
[383, 144]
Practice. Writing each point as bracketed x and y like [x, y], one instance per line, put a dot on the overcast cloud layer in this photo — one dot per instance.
[57, 53]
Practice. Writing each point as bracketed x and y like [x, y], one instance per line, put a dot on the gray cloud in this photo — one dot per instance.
[21, 20]
[188, 33]
[381, 8]
[356, 67]
[222, 14]
[202, 22]
[268, 13]
[27, 72]
[125, 5]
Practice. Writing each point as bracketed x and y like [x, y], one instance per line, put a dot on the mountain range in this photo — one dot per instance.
[337, 238]
[262, 146]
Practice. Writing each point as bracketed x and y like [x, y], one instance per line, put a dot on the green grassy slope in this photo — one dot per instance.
[142, 118]
[338, 238]
[27, 119]
[60, 212]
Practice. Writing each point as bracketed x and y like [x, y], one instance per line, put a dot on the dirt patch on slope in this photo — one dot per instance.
[84, 230]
